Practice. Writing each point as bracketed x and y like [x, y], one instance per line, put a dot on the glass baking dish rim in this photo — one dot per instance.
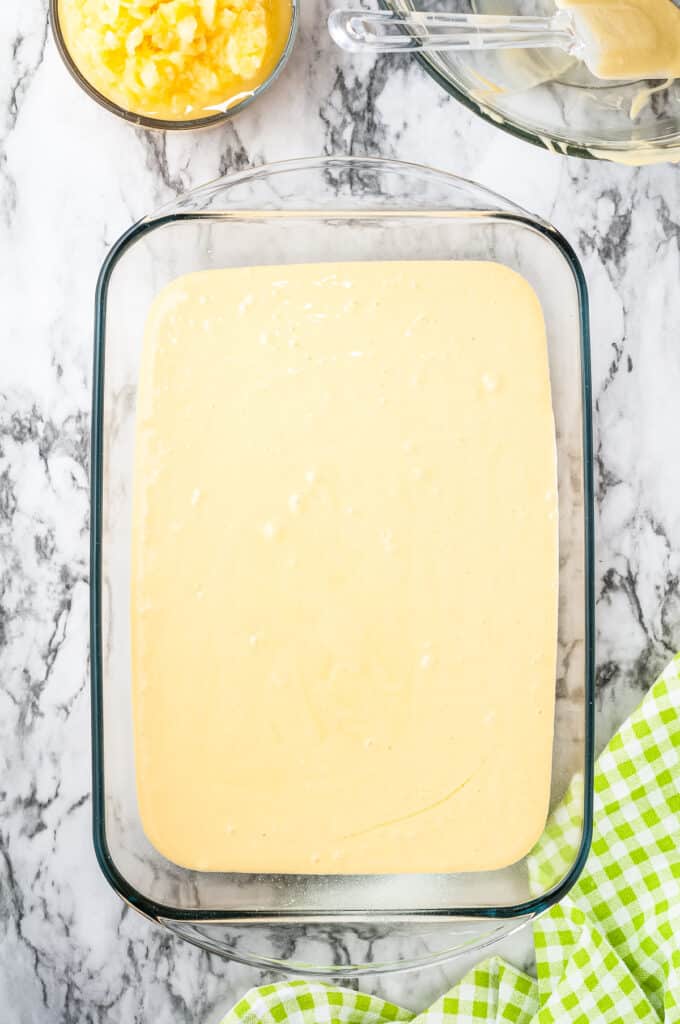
[151, 908]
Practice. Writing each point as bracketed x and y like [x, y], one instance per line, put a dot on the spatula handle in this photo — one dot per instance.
[391, 32]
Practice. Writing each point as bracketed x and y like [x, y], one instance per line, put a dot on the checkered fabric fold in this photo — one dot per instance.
[609, 952]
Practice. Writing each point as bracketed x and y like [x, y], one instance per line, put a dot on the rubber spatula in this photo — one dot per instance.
[361, 31]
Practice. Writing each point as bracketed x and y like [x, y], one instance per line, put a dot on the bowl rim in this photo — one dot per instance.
[158, 123]
[163, 913]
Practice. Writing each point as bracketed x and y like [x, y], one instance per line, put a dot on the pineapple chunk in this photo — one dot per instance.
[208, 12]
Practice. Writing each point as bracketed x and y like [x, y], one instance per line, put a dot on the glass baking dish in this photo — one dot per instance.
[318, 211]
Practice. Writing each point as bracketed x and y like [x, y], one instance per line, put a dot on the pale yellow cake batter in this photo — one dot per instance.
[633, 38]
[344, 589]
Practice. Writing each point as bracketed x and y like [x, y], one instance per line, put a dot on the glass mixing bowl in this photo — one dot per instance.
[551, 99]
[319, 211]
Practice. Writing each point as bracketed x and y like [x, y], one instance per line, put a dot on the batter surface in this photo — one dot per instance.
[344, 588]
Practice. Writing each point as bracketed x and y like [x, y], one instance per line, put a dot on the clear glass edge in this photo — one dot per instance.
[183, 203]
[345, 970]
[159, 912]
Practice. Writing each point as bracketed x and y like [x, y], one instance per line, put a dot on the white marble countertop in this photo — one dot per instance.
[72, 178]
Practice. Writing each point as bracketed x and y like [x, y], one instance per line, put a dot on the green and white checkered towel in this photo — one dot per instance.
[609, 953]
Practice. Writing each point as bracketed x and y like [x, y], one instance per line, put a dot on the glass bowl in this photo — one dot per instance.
[318, 211]
[161, 124]
[551, 99]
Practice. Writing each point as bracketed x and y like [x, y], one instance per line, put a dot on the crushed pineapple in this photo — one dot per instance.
[175, 59]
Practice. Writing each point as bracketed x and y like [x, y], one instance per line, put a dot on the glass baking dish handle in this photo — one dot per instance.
[293, 185]
[388, 946]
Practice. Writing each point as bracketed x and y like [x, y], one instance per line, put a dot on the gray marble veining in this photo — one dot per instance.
[72, 178]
